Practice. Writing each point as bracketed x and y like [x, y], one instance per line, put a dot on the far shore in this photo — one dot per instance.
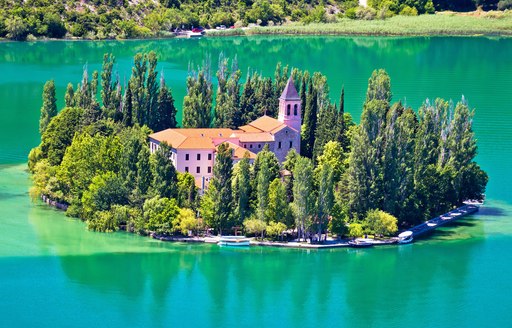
[475, 24]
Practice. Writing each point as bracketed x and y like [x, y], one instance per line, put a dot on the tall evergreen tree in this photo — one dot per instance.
[222, 176]
[128, 107]
[152, 92]
[49, 108]
[304, 92]
[310, 122]
[248, 101]
[324, 130]
[165, 115]
[221, 100]
[164, 174]
[69, 96]
[340, 128]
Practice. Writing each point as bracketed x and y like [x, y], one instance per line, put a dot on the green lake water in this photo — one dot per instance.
[55, 273]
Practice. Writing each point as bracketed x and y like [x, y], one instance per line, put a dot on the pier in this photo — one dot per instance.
[443, 219]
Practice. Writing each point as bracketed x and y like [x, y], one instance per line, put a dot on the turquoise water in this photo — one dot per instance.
[53, 272]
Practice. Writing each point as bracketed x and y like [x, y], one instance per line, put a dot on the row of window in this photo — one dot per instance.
[278, 145]
[198, 169]
[198, 157]
[295, 108]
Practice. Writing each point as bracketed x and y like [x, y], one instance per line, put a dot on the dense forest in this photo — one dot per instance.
[395, 169]
[108, 19]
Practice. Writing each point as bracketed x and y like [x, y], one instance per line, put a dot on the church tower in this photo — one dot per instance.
[290, 110]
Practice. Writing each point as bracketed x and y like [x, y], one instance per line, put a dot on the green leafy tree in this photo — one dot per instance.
[49, 108]
[159, 214]
[164, 172]
[275, 229]
[255, 226]
[381, 223]
[303, 194]
[187, 190]
[197, 104]
[325, 201]
[242, 189]
[104, 191]
[223, 198]
[69, 96]
[278, 209]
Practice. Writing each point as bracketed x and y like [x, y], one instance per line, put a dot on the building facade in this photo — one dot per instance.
[193, 150]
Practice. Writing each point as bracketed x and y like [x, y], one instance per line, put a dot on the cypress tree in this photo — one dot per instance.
[222, 176]
[310, 122]
[128, 107]
[164, 173]
[107, 87]
[221, 100]
[324, 130]
[69, 96]
[248, 101]
[152, 92]
[340, 129]
[304, 92]
[233, 117]
[165, 115]
[49, 108]
[278, 209]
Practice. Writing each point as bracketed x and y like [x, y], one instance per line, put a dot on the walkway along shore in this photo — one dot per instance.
[417, 231]
[421, 229]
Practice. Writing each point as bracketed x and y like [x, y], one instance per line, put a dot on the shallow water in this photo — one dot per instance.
[53, 272]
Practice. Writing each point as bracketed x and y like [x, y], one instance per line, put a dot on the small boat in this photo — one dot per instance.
[234, 241]
[194, 34]
[360, 243]
[405, 237]
[212, 239]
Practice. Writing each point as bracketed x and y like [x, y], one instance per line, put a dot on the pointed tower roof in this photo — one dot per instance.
[289, 92]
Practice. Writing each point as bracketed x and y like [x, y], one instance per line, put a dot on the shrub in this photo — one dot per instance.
[351, 13]
[409, 11]
[505, 4]
[366, 13]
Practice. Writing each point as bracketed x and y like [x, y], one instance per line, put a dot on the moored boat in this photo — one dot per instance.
[405, 237]
[234, 241]
[360, 243]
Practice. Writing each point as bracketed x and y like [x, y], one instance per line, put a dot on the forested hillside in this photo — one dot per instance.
[103, 19]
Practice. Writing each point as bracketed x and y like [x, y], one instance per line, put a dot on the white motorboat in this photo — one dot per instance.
[234, 241]
[405, 237]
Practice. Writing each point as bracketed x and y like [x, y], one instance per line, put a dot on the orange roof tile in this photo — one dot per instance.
[265, 123]
[255, 137]
[249, 128]
[171, 136]
[239, 152]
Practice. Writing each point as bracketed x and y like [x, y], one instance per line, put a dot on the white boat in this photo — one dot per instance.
[212, 240]
[405, 237]
[194, 34]
[234, 241]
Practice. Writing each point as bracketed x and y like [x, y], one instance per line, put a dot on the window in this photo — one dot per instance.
[198, 169]
[279, 145]
[209, 157]
[295, 109]
[245, 146]
[250, 146]
[186, 168]
[291, 144]
[287, 109]
[209, 169]
[186, 157]
[198, 157]
[259, 145]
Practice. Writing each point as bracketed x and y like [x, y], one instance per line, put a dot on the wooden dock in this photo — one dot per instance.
[443, 219]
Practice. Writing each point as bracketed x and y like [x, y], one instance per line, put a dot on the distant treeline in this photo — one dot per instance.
[108, 19]
[396, 168]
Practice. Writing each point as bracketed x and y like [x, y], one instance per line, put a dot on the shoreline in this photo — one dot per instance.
[472, 24]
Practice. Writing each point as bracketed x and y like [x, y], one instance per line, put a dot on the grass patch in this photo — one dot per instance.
[446, 23]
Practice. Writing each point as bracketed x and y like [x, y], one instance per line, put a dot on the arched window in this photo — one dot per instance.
[295, 109]
[287, 109]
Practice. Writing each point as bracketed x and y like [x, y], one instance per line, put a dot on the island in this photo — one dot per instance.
[274, 158]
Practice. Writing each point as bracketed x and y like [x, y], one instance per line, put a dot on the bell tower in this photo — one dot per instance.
[290, 110]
